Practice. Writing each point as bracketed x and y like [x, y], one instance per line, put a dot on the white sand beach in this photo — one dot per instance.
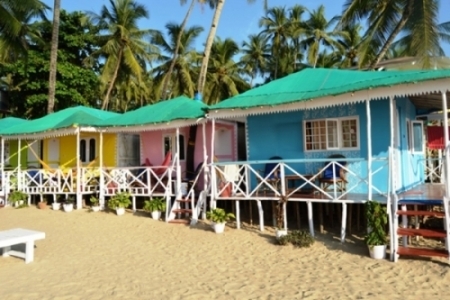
[102, 256]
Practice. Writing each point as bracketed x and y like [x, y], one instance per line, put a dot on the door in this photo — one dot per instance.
[53, 153]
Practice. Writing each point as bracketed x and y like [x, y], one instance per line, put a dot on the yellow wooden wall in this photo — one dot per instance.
[68, 148]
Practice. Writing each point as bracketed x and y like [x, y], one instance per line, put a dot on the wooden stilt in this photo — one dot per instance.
[310, 218]
[274, 216]
[358, 217]
[261, 215]
[330, 214]
[321, 217]
[250, 206]
[297, 210]
[349, 218]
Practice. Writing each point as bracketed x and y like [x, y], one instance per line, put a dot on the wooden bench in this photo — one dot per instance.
[18, 236]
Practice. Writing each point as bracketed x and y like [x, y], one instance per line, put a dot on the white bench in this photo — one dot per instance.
[18, 236]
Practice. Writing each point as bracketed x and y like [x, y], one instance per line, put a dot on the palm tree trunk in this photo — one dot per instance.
[406, 14]
[177, 48]
[53, 57]
[317, 54]
[113, 80]
[209, 42]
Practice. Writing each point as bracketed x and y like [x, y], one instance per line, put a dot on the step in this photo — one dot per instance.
[420, 202]
[180, 221]
[182, 210]
[420, 213]
[184, 200]
[433, 233]
[409, 251]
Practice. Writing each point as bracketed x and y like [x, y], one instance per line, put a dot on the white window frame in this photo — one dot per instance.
[173, 140]
[339, 133]
[422, 148]
[87, 140]
[409, 135]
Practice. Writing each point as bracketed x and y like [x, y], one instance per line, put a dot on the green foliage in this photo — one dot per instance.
[377, 218]
[94, 201]
[157, 204]
[119, 200]
[218, 215]
[69, 200]
[16, 196]
[298, 238]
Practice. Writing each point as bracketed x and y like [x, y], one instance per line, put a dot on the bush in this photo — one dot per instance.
[298, 238]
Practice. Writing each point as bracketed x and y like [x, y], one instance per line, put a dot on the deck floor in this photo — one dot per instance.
[424, 192]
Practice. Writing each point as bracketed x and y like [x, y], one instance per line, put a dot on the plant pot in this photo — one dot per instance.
[56, 206]
[156, 215]
[42, 205]
[120, 211]
[68, 207]
[218, 227]
[377, 252]
[279, 233]
[95, 208]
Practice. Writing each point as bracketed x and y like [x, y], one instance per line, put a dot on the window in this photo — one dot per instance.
[417, 136]
[328, 134]
[169, 145]
[87, 149]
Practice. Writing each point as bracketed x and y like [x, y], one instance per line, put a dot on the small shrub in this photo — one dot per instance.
[298, 238]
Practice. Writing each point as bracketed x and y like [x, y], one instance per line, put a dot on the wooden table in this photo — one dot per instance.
[295, 177]
[18, 236]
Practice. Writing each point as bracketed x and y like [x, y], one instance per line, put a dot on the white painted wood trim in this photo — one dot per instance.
[369, 153]
[102, 176]
[447, 142]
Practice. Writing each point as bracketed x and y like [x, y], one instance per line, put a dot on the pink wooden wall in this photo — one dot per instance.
[226, 139]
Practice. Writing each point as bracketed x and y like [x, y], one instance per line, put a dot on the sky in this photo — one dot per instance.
[239, 18]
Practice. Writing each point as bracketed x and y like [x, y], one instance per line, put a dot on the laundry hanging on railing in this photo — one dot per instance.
[435, 140]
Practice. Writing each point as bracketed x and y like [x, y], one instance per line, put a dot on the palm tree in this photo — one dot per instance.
[123, 44]
[176, 63]
[209, 41]
[318, 31]
[387, 19]
[53, 57]
[223, 79]
[351, 43]
[277, 28]
[16, 31]
[256, 52]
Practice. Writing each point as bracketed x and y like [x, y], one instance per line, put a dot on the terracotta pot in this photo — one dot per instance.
[42, 205]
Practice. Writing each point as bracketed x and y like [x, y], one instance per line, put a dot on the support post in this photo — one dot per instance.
[238, 215]
[446, 142]
[19, 165]
[178, 173]
[2, 169]
[344, 221]
[78, 185]
[261, 215]
[213, 169]
[369, 151]
[310, 218]
[102, 186]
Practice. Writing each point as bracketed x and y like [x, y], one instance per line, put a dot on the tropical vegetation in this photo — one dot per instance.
[106, 60]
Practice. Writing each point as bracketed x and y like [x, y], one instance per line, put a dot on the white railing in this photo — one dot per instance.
[250, 182]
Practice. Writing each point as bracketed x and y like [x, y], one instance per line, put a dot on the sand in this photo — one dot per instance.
[103, 256]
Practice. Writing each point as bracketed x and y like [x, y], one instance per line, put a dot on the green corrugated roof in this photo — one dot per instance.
[11, 121]
[180, 108]
[310, 84]
[69, 117]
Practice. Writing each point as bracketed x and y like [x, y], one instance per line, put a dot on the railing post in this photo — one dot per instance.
[369, 149]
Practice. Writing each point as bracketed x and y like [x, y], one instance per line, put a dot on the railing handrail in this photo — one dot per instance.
[299, 160]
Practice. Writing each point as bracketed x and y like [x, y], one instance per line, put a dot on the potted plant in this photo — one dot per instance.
[119, 202]
[17, 198]
[57, 204]
[68, 204]
[155, 207]
[95, 203]
[376, 237]
[219, 217]
[280, 231]
[42, 204]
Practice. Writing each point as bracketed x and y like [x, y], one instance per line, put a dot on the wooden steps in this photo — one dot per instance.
[431, 233]
[183, 214]
[411, 251]
[180, 221]
[182, 210]
[420, 213]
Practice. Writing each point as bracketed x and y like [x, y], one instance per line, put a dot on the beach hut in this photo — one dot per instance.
[338, 136]
[63, 149]
[165, 130]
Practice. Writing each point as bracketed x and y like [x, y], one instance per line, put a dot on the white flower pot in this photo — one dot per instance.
[56, 206]
[68, 207]
[218, 227]
[280, 233]
[120, 211]
[377, 252]
[95, 208]
[156, 215]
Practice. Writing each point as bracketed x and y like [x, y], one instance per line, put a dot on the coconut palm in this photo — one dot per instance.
[318, 32]
[256, 52]
[351, 43]
[53, 56]
[16, 29]
[177, 66]
[123, 44]
[387, 19]
[209, 41]
[223, 77]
